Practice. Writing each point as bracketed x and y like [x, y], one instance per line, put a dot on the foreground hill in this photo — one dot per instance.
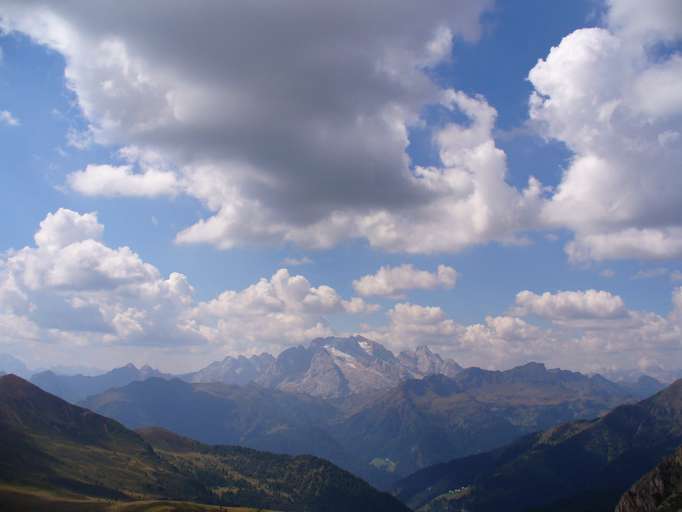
[660, 490]
[217, 413]
[75, 388]
[380, 436]
[584, 465]
[51, 445]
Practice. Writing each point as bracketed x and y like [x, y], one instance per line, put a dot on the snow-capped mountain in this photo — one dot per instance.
[329, 368]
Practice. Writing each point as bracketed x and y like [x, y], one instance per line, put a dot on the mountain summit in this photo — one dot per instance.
[329, 368]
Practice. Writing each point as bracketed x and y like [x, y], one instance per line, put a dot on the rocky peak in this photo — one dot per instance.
[660, 490]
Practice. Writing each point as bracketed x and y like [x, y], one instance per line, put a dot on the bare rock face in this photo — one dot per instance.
[338, 367]
[422, 362]
[233, 370]
[329, 368]
[660, 490]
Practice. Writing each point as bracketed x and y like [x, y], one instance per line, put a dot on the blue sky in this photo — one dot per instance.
[491, 54]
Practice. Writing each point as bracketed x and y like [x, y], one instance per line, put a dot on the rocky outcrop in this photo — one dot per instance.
[660, 490]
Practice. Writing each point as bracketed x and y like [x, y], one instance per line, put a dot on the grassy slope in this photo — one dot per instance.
[22, 498]
[575, 467]
[50, 444]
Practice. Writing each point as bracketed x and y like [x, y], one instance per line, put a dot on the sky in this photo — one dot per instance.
[498, 180]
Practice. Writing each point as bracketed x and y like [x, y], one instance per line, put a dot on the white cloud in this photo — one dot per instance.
[394, 281]
[65, 227]
[109, 181]
[570, 305]
[73, 290]
[72, 284]
[587, 331]
[8, 119]
[223, 119]
[616, 103]
[651, 22]
[273, 313]
[222, 122]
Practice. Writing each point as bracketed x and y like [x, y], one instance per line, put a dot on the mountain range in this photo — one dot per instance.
[10, 364]
[329, 368]
[380, 435]
[577, 466]
[75, 388]
[54, 455]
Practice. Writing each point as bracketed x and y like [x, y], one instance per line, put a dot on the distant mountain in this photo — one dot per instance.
[233, 370]
[381, 436]
[339, 367]
[583, 465]
[643, 386]
[328, 368]
[422, 422]
[421, 362]
[10, 364]
[55, 456]
[632, 375]
[75, 388]
[75, 370]
[660, 490]
[218, 413]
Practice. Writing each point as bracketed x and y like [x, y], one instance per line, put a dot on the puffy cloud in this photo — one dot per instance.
[71, 284]
[273, 313]
[411, 325]
[394, 281]
[588, 331]
[65, 227]
[289, 123]
[108, 180]
[570, 305]
[657, 20]
[72, 289]
[7, 118]
[615, 101]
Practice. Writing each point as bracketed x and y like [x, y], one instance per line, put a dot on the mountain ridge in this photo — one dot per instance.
[48, 443]
[577, 465]
[381, 436]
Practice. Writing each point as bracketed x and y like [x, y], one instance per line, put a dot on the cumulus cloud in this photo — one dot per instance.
[570, 305]
[289, 123]
[7, 118]
[274, 312]
[71, 284]
[108, 180]
[584, 330]
[614, 99]
[72, 289]
[273, 158]
[394, 281]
